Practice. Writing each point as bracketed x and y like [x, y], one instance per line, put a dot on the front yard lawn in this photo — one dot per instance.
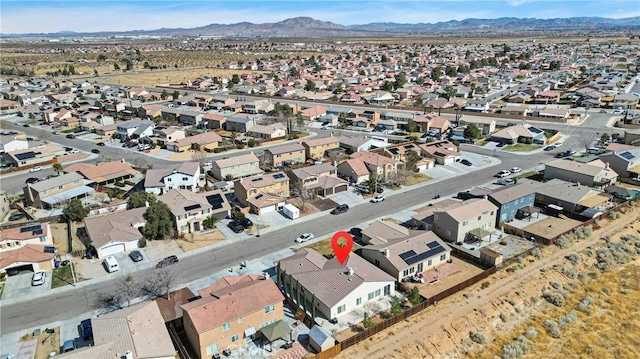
[417, 178]
[62, 276]
[324, 246]
[521, 147]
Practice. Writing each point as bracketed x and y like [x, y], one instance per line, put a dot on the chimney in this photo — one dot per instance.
[349, 271]
[264, 276]
[386, 252]
[578, 184]
[606, 166]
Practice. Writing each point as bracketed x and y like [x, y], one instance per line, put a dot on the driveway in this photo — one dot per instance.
[20, 286]
[93, 268]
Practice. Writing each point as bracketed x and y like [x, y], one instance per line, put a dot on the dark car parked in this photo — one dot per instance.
[467, 195]
[95, 150]
[236, 226]
[32, 180]
[16, 217]
[135, 256]
[87, 330]
[167, 262]
[100, 144]
[246, 222]
[466, 163]
[340, 209]
[356, 231]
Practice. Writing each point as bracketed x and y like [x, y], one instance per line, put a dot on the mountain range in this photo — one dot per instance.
[312, 28]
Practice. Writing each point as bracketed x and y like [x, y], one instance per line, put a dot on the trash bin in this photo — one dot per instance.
[57, 263]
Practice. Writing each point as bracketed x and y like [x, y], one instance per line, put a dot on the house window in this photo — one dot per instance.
[185, 179]
[429, 263]
[59, 187]
[235, 338]
[370, 296]
[387, 289]
[443, 257]
[43, 239]
[212, 349]
[168, 179]
[358, 300]
[226, 326]
[465, 223]
[205, 211]
[239, 320]
[377, 292]
[269, 308]
[479, 218]
[492, 213]
[342, 308]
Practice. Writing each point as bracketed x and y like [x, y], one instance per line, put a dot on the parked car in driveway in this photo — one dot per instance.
[38, 278]
[503, 173]
[516, 170]
[356, 231]
[87, 330]
[505, 181]
[135, 256]
[304, 237]
[377, 199]
[340, 209]
[100, 144]
[35, 169]
[32, 180]
[167, 262]
[466, 162]
[246, 222]
[236, 226]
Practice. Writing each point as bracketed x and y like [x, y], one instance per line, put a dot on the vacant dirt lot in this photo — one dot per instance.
[165, 77]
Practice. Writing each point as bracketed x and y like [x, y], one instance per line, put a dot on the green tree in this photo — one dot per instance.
[140, 199]
[401, 80]
[310, 86]
[384, 58]
[387, 86]
[252, 142]
[146, 65]
[210, 221]
[396, 306]
[159, 221]
[604, 137]
[175, 95]
[411, 159]
[116, 66]
[75, 211]
[411, 126]
[414, 296]
[235, 79]
[102, 57]
[436, 73]
[57, 167]
[164, 95]
[294, 73]
[472, 132]
[451, 92]
[420, 80]
[367, 322]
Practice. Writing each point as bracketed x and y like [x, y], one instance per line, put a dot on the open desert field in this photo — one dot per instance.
[164, 77]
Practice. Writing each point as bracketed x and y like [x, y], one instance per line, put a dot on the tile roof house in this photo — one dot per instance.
[230, 313]
[625, 162]
[134, 129]
[285, 155]
[512, 199]
[321, 179]
[517, 133]
[378, 165]
[138, 331]
[236, 167]
[443, 152]
[354, 169]
[263, 193]
[381, 232]
[272, 131]
[404, 257]
[593, 174]
[103, 173]
[51, 192]
[356, 144]
[308, 277]
[30, 245]
[316, 148]
[190, 209]
[116, 232]
[207, 141]
[453, 223]
[313, 113]
[572, 197]
[184, 175]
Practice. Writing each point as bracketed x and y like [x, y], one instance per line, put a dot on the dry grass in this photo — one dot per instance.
[324, 247]
[417, 178]
[165, 77]
[51, 345]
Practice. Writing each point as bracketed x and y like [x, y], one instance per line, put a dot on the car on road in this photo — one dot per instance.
[236, 226]
[167, 262]
[135, 256]
[100, 144]
[558, 144]
[87, 330]
[505, 181]
[38, 278]
[35, 169]
[603, 111]
[340, 209]
[246, 222]
[501, 144]
[561, 155]
[571, 152]
[95, 150]
[31, 180]
[26, 125]
[503, 173]
[377, 199]
[304, 237]
[466, 162]
[550, 148]
[71, 136]
[55, 133]
[516, 170]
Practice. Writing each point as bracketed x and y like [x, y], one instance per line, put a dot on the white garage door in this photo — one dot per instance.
[268, 209]
[110, 250]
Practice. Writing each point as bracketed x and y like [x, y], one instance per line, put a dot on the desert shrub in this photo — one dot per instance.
[554, 298]
[485, 285]
[614, 214]
[466, 295]
[555, 285]
[477, 337]
[563, 242]
[567, 319]
[520, 259]
[517, 348]
[583, 276]
[606, 291]
[503, 317]
[531, 332]
[586, 304]
[536, 252]
[574, 258]
[481, 311]
[569, 272]
[534, 300]
[511, 301]
[583, 232]
[552, 328]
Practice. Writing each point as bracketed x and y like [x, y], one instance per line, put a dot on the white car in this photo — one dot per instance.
[377, 199]
[558, 144]
[304, 237]
[505, 181]
[35, 169]
[38, 278]
[516, 170]
[503, 173]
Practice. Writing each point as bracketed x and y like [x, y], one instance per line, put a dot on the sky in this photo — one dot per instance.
[27, 16]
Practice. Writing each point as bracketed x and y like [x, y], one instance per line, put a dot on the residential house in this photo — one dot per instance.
[5, 207]
[190, 209]
[230, 312]
[321, 179]
[103, 173]
[10, 143]
[116, 232]
[380, 167]
[137, 331]
[547, 97]
[50, 193]
[221, 101]
[27, 247]
[325, 288]
[33, 156]
[486, 125]
[516, 110]
[455, 222]
[258, 106]
[379, 98]
[190, 118]
[213, 121]
[625, 100]
[181, 176]
[354, 169]
[477, 105]
[134, 129]
[238, 124]
[399, 151]
[519, 133]
[267, 132]
[557, 113]
[512, 199]
[384, 231]
[356, 144]
[207, 141]
[236, 167]
[313, 113]
[402, 258]
[571, 197]
[315, 149]
[263, 193]
[438, 124]
[163, 135]
[593, 174]
[625, 162]
[285, 155]
[443, 152]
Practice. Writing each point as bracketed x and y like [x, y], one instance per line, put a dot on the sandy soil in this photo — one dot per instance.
[443, 331]
[155, 78]
[52, 344]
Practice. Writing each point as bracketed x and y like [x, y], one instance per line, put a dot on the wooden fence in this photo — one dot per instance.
[329, 353]
[177, 342]
[460, 286]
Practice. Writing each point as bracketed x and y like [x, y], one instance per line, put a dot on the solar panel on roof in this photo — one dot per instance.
[433, 245]
[37, 231]
[192, 207]
[259, 196]
[30, 228]
[25, 155]
[424, 255]
[278, 176]
[407, 254]
[627, 155]
[215, 201]
[535, 130]
[256, 179]
[49, 249]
